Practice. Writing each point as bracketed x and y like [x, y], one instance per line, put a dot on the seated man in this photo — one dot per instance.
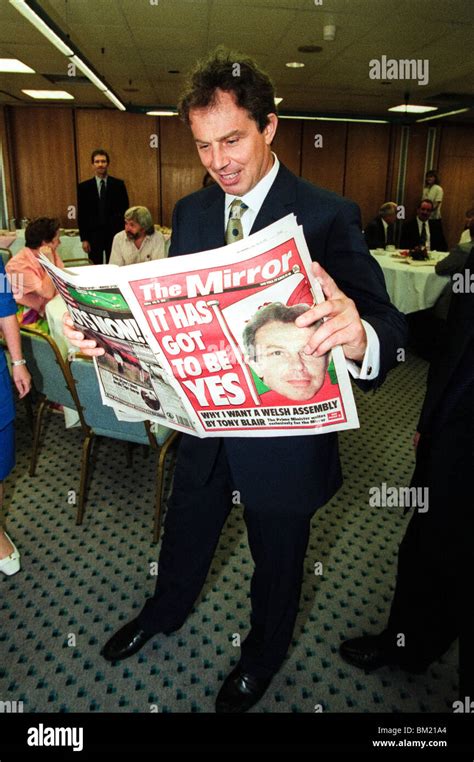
[467, 235]
[457, 257]
[421, 231]
[139, 242]
[381, 231]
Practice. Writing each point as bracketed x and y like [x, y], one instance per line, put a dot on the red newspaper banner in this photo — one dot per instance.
[199, 318]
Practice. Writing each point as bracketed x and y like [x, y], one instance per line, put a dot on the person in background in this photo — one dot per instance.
[381, 231]
[31, 285]
[467, 235]
[434, 192]
[432, 603]
[139, 242]
[9, 555]
[422, 231]
[101, 204]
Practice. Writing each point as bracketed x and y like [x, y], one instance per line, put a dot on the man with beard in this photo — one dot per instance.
[139, 241]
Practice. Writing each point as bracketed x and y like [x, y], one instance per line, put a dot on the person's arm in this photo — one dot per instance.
[11, 331]
[82, 218]
[438, 197]
[451, 264]
[115, 255]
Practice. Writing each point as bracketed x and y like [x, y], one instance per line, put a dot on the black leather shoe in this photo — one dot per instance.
[240, 691]
[126, 642]
[368, 652]
[373, 651]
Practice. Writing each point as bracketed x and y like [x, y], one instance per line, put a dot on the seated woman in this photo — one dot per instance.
[31, 285]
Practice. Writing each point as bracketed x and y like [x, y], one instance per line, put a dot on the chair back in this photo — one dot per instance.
[6, 255]
[99, 417]
[50, 373]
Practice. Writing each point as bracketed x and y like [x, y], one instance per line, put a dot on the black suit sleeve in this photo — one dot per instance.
[359, 276]
[83, 211]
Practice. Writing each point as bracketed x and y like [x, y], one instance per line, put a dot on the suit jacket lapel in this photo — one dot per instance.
[211, 221]
[279, 201]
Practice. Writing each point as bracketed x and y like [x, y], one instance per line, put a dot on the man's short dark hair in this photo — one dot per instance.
[426, 201]
[233, 73]
[39, 230]
[100, 152]
[272, 313]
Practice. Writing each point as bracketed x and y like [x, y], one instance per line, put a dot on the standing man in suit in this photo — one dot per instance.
[421, 231]
[381, 231]
[101, 204]
[229, 106]
[432, 604]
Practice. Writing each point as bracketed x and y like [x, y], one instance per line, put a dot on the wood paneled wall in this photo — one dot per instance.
[132, 142]
[5, 155]
[324, 154]
[49, 152]
[456, 170]
[42, 162]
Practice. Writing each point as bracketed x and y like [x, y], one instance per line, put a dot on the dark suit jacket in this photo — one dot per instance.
[90, 227]
[456, 259]
[374, 234]
[410, 236]
[458, 335]
[332, 229]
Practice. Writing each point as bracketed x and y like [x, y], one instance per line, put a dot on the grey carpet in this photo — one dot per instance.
[79, 584]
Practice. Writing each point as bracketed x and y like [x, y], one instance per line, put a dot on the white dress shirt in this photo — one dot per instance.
[124, 251]
[254, 199]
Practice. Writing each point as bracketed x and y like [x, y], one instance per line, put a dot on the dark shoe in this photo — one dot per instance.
[373, 651]
[126, 642]
[240, 691]
[368, 652]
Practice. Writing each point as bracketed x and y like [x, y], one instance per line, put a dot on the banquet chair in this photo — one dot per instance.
[52, 380]
[100, 421]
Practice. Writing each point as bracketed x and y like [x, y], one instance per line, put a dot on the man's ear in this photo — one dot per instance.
[270, 128]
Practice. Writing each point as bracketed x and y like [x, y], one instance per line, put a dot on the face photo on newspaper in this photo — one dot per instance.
[274, 350]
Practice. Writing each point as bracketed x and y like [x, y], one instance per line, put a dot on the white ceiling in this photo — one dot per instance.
[135, 43]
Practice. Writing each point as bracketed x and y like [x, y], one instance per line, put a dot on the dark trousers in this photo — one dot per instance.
[278, 537]
[100, 241]
[432, 604]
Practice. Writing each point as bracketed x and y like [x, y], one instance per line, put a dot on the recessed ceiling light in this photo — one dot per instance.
[309, 49]
[277, 101]
[60, 95]
[294, 65]
[413, 108]
[14, 66]
[162, 112]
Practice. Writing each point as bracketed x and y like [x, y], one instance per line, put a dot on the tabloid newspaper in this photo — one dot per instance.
[206, 343]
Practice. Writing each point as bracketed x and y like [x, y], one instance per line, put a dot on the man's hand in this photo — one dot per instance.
[86, 247]
[87, 346]
[342, 325]
[416, 439]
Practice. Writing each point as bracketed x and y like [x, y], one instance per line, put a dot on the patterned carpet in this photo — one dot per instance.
[79, 584]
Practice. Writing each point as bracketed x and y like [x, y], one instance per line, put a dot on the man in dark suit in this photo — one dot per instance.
[381, 231]
[101, 204]
[432, 600]
[421, 231]
[281, 480]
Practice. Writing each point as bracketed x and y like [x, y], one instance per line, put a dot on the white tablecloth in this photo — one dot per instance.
[411, 287]
[69, 248]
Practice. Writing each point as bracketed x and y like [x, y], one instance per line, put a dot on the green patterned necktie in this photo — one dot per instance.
[234, 230]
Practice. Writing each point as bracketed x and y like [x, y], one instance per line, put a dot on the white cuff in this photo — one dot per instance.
[371, 365]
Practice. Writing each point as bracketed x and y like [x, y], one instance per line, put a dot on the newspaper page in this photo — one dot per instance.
[214, 332]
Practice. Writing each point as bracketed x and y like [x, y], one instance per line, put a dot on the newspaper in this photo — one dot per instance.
[206, 343]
